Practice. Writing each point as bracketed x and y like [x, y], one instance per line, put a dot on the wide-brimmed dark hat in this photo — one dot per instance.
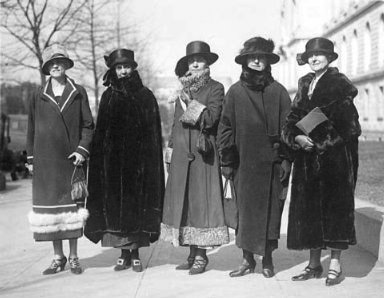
[55, 52]
[199, 48]
[257, 46]
[120, 56]
[317, 45]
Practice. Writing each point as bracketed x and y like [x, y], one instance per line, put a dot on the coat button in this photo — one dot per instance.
[191, 156]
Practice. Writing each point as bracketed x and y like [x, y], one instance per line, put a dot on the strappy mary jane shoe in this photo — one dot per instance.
[74, 264]
[335, 279]
[122, 264]
[309, 273]
[199, 265]
[136, 265]
[245, 268]
[56, 266]
[187, 265]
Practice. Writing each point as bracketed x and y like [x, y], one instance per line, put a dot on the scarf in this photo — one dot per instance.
[256, 80]
[194, 81]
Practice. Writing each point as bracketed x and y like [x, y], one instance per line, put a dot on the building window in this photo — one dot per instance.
[355, 53]
[367, 47]
[381, 40]
[343, 55]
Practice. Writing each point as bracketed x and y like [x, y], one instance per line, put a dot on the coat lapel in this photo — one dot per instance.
[69, 95]
[46, 96]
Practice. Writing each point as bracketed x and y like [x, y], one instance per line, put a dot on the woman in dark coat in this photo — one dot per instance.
[252, 154]
[60, 129]
[193, 212]
[321, 213]
[126, 172]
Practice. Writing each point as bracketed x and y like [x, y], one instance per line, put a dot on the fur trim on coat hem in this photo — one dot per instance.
[50, 223]
[195, 236]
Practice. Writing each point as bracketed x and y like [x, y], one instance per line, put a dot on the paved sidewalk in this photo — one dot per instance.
[22, 261]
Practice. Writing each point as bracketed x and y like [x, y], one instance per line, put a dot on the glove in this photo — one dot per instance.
[285, 172]
[227, 172]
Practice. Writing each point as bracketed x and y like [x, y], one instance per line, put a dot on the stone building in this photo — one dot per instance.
[357, 29]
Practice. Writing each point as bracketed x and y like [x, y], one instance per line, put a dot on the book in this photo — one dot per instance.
[311, 121]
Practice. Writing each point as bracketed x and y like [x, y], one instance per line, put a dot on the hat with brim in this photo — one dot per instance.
[315, 46]
[195, 48]
[257, 46]
[121, 56]
[57, 53]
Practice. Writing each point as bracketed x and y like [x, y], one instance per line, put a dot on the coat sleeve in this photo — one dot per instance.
[290, 130]
[31, 127]
[285, 151]
[226, 133]
[87, 126]
[210, 117]
[169, 149]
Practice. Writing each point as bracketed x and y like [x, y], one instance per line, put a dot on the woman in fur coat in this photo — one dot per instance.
[252, 155]
[126, 171]
[321, 213]
[60, 129]
[193, 212]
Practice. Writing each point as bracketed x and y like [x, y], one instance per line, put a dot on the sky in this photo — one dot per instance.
[224, 24]
[171, 24]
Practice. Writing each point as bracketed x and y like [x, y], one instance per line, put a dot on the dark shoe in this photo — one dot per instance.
[244, 268]
[199, 265]
[335, 279]
[136, 265]
[309, 273]
[268, 271]
[187, 265]
[122, 264]
[56, 266]
[74, 264]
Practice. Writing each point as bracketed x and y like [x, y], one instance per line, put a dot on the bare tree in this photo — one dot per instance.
[33, 26]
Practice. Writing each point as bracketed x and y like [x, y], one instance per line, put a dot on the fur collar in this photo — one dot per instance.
[195, 81]
[128, 85]
[256, 80]
[332, 86]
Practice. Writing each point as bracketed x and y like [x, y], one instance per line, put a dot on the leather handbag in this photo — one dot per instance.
[231, 212]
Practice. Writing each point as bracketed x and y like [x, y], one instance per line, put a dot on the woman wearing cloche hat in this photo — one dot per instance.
[252, 155]
[193, 211]
[60, 129]
[126, 172]
[321, 213]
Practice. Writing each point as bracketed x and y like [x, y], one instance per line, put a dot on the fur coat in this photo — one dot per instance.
[323, 181]
[126, 173]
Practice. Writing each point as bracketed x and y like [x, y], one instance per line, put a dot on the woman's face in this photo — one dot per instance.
[318, 62]
[197, 63]
[257, 62]
[123, 70]
[57, 68]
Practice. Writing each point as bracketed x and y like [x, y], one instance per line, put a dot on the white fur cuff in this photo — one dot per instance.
[50, 223]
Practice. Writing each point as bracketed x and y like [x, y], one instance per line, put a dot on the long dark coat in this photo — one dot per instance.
[249, 142]
[126, 172]
[193, 211]
[323, 182]
[55, 130]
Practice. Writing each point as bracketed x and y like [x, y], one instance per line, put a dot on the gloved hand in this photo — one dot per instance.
[285, 171]
[305, 142]
[227, 172]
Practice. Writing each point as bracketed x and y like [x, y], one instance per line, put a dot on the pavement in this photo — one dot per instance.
[22, 260]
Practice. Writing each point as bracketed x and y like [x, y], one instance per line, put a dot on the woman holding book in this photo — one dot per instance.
[322, 129]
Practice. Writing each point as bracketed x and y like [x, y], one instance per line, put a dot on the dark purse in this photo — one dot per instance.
[203, 143]
[231, 213]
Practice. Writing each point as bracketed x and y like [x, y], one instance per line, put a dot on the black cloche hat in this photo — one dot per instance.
[317, 45]
[120, 56]
[257, 46]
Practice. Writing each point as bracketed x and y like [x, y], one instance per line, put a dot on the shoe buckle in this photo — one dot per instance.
[120, 262]
[136, 262]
